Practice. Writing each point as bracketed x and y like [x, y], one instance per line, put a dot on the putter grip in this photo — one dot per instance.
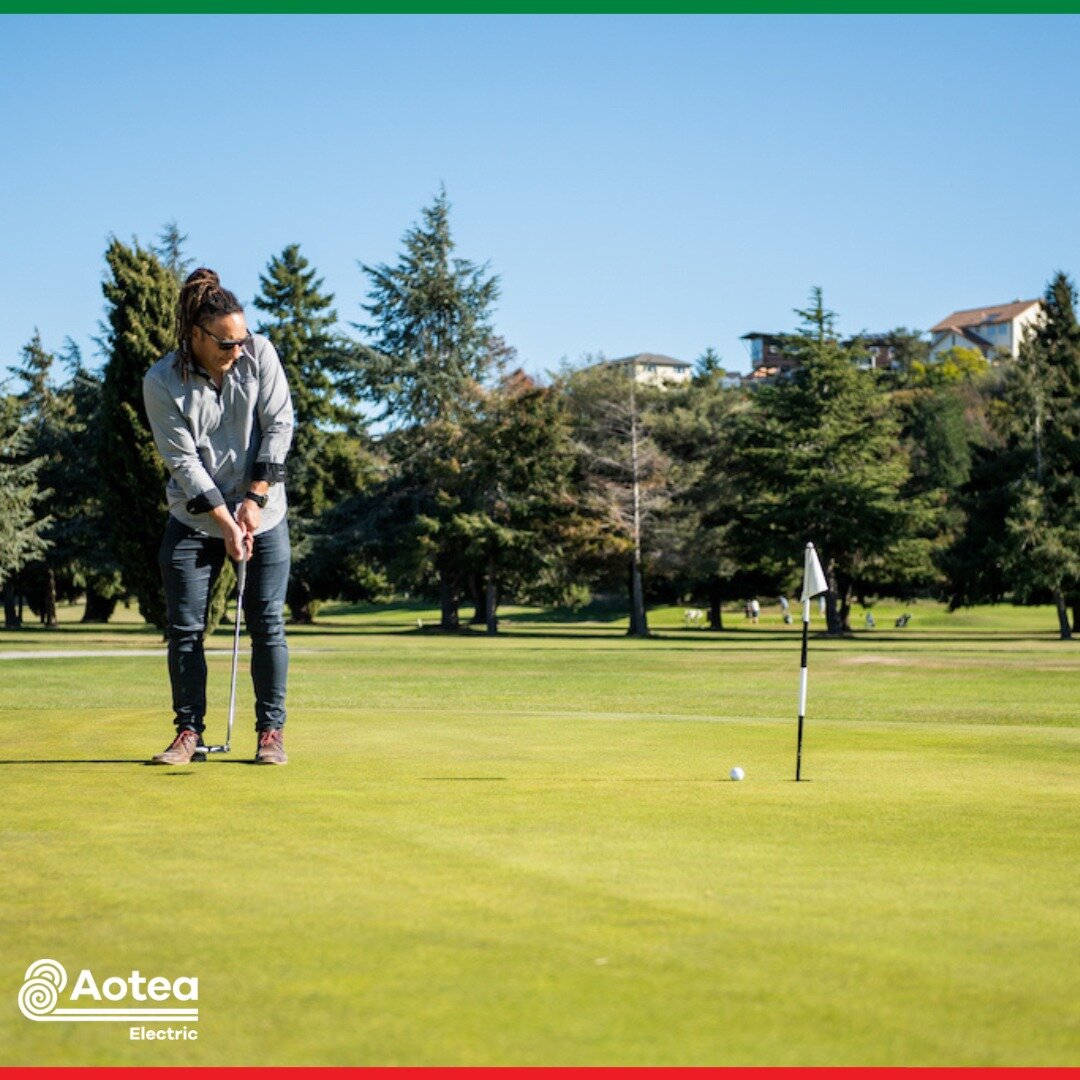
[241, 575]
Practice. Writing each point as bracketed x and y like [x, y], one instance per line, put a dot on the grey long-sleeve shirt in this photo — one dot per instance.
[216, 443]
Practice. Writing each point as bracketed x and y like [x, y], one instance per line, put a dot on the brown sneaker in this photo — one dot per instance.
[271, 748]
[180, 752]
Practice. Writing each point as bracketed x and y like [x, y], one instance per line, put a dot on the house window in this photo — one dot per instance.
[755, 349]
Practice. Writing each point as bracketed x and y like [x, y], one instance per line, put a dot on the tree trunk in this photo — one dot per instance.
[1076, 616]
[845, 612]
[300, 602]
[491, 598]
[11, 614]
[1063, 617]
[833, 621]
[832, 615]
[478, 589]
[716, 615]
[99, 608]
[639, 625]
[448, 601]
[48, 611]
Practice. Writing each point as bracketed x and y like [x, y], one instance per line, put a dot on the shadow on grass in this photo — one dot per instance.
[116, 761]
[75, 761]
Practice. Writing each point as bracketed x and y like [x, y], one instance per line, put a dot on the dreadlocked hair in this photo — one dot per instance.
[201, 298]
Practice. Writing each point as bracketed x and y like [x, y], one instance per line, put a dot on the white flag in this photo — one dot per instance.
[814, 583]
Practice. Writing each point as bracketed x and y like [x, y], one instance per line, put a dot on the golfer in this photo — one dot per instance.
[222, 419]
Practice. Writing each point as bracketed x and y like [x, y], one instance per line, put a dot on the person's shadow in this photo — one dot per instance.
[112, 761]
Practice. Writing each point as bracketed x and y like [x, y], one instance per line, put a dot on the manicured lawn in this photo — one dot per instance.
[526, 851]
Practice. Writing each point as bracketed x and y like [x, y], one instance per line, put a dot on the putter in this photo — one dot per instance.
[241, 580]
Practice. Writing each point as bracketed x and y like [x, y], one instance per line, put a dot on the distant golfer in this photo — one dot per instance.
[222, 419]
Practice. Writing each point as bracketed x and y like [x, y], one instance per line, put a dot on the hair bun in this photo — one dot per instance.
[202, 276]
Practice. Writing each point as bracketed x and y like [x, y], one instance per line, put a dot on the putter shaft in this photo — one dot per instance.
[241, 581]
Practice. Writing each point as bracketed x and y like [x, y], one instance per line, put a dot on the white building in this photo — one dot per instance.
[992, 330]
[656, 370]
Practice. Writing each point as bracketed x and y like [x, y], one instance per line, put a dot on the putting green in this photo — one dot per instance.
[526, 850]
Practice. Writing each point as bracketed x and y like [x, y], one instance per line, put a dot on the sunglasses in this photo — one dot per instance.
[224, 344]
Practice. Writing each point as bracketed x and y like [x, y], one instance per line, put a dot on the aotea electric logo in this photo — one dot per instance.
[39, 998]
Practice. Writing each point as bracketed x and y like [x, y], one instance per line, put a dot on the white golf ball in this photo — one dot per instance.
[737, 773]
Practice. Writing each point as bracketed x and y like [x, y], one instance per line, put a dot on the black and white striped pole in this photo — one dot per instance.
[814, 584]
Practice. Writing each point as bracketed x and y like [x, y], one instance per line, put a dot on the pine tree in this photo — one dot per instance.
[170, 251]
[92, 568]
[141, 296]
[1043, 403]
[22, 525]
[819, 458]
[430, 348]
[430, 335]
[46, 420]
[517, 470]
[330, 458]
[708, 364]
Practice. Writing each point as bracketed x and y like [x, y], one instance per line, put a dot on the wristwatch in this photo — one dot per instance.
[258, 500]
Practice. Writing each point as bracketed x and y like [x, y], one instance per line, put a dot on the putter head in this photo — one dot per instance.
[202, 751]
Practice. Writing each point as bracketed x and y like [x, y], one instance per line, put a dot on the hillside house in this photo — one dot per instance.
[767, 355]
[994, 331]
[654, 369]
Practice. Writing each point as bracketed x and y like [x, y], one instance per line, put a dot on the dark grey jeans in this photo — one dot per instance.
[190, 564]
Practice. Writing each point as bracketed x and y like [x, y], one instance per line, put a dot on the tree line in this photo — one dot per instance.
[426, 463]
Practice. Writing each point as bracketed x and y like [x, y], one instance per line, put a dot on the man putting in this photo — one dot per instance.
[222, 418]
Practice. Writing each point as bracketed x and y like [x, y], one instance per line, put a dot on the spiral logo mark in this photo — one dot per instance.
[41, 988]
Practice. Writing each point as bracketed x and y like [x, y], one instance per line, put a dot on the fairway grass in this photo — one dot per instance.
[527, 850]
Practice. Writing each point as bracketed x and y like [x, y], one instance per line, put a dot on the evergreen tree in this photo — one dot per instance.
[819, 458]
[430, 335]
[91, 567]
[22, 526]
[46, 420]
[430, 348]
[708, 364]
[975, 561]
[940, 441]
[695, 425]
[517, 469]
[170, 251]
[1043, 409]
[330, 458]
[141, 296]
[908, 347]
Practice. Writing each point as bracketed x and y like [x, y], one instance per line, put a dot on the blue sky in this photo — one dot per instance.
[639, 183]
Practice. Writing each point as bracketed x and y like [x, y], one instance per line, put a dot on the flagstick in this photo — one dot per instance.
[802, 684]
[814, 584]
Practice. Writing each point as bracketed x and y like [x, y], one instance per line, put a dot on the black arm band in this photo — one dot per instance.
[273, 472]
[204, 502]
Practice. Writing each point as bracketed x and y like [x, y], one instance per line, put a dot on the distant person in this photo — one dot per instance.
[785, 609]
[222, 418]
[755, 611]
[870, 624]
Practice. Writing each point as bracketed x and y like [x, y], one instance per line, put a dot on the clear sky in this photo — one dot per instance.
[638, 183]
